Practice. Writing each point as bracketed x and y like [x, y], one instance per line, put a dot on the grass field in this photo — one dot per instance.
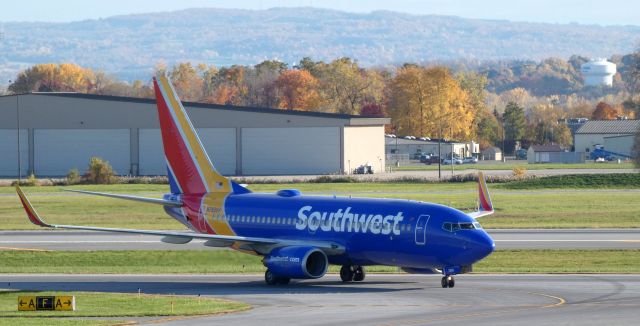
[511, 165]
[225, 261]
[587, 207]
[96, 305]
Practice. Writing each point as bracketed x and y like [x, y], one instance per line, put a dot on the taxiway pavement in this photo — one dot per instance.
[380, 299]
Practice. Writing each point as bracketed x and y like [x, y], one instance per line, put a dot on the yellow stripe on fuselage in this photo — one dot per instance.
[219, 225]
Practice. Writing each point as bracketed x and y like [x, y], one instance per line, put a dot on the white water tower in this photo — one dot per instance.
[598, 72]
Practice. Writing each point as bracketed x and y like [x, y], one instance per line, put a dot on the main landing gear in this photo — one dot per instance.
[353, 273]
[272, 279]
[447, 281]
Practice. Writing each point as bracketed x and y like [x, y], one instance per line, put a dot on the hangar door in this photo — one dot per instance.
[314, 150]
[56, 151]
[9, 152]
[220, 144]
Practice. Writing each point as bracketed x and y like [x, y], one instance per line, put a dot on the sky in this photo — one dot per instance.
[610, 12]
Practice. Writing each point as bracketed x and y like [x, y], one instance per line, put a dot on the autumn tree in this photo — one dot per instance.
[430, 102]
[186, 82]
[543, 126]
[513, 124]
[260, 83]
[343, 86]
[49, 77]
[475, 85]
[297, 89]
[229, 86]
[604, 111]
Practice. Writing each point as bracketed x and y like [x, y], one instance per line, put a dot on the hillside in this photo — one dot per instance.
[131, 45]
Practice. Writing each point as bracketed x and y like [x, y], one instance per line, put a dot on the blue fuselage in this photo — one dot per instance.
[372, 231]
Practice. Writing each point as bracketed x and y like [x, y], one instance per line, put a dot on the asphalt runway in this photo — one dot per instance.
[380, 299]
[505, 239]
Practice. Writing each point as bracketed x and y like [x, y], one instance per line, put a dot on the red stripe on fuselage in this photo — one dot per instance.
[176, 150]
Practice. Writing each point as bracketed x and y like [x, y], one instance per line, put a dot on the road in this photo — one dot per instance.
[505, 239]
[380, 299]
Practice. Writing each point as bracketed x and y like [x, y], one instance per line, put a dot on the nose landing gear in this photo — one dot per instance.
[447, 281]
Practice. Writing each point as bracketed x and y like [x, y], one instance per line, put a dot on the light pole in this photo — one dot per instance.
[18, 128]
[451, 144]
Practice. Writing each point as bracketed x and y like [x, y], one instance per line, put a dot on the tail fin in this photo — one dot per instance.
[188, 164]
[485, 206]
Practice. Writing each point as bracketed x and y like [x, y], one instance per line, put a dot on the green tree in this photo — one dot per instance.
[514, 124]
[489, 131]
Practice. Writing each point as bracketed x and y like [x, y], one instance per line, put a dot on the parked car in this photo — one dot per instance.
[364, 169]
[470, 160]
[430, 159]
[448, 161]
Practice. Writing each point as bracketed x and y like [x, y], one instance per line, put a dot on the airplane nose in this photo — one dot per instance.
[486, 245]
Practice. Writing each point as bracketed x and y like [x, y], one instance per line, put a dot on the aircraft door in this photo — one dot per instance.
[421, 229]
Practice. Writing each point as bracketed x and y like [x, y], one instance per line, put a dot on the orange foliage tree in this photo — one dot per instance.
[297, 89]
[604, 111]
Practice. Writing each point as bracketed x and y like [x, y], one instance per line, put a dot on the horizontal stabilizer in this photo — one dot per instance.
[134, 198]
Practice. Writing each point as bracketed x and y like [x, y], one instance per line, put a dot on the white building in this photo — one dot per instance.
[598, 72]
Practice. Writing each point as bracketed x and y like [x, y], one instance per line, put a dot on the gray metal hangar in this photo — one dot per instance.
[61, 131]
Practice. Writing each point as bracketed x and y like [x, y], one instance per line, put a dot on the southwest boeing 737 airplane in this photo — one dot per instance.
[297, 235]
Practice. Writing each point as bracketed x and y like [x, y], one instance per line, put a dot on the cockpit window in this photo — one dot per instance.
[466, 226]
[454, 227]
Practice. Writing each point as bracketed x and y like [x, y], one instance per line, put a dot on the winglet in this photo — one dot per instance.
[483, 194]
[31, 212]
[485, 206]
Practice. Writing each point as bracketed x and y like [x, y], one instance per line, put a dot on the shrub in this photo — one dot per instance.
[99, 172]
[73, 177]
[519, 172]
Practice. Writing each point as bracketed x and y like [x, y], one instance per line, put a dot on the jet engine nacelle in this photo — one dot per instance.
[297, 262]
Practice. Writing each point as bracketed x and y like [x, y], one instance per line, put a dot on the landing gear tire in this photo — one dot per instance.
[346, 274]
[359, 274]
[447, 282]
[270, 278]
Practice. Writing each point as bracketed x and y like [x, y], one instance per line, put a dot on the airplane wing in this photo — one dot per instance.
[260, 245]
[163, 202]
[485, 206]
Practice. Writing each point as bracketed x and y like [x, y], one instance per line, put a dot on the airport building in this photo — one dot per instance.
[413, 148]
[615, 136]
[61, 131]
